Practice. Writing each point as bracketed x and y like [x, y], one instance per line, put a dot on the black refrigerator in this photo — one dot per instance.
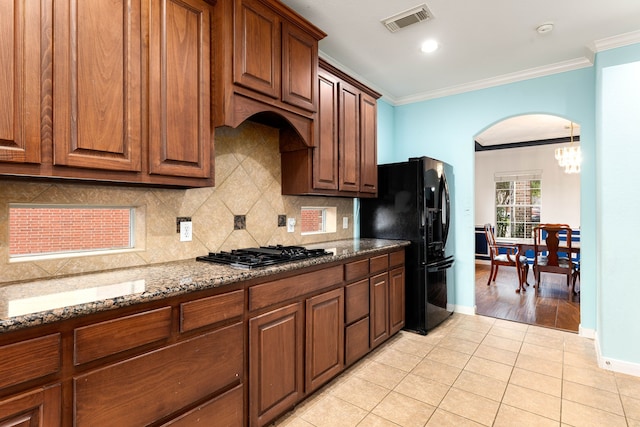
[413, 204]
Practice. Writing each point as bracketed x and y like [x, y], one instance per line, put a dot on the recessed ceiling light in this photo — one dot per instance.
[429, 46]
[545, 28]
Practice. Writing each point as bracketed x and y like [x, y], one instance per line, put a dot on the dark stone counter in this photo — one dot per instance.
[26, 304]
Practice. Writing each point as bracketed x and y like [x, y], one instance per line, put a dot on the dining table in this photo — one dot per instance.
[524, 245]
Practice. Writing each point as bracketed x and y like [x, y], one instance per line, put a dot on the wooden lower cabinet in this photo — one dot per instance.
[275, 362]
[356, 340]
[396, 300]
[241, 357]
[37, 408]
[356, 316]
[154, 385]
[379, 314]
[324, 338]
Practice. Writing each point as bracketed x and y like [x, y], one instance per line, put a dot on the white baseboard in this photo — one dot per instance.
[616, 365]
[587, 333]
[462, 309]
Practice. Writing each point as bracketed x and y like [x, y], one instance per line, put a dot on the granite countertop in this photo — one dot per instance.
[38, 302]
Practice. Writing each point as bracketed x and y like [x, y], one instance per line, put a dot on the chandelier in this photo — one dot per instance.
[569, 157]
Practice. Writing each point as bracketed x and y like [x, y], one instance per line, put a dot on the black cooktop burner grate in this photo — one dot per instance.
[263, 256]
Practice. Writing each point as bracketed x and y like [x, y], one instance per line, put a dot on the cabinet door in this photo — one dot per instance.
[299, 67]
[325, 154]
[39, 408]
[349, 138]
[368, 144]
[97, 87]
[379, 313]
[275, 363]
[396, 300]
[20, 81]
[256, 47]
[180, 135]
[324, 338]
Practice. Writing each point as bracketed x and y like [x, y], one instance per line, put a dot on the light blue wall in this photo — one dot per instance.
[444, 128]
[618, 154]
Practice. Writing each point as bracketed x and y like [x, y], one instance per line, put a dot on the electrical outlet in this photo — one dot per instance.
[186, 231]
[345, 222]
[291, 225]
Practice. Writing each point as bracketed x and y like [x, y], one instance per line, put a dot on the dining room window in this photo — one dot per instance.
[517, 202]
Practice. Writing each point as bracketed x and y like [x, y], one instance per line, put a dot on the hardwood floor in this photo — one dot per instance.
[551, 308]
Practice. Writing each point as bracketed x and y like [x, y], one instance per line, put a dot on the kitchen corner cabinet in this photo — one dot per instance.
[267, 61]
[343, 161]
[120, 92]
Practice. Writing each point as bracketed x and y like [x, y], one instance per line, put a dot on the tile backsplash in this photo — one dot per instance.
[248, 176]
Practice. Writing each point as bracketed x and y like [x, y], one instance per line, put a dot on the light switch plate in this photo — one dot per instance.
[345, 222]
[291, 225]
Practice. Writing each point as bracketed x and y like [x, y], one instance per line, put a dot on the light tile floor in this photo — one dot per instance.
[475, 371]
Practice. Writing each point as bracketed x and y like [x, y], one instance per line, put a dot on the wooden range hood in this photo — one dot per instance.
[266, 68]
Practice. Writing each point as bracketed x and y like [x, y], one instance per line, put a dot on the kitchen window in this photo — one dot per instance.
[56, 231]
[517, 203]
[316, 220]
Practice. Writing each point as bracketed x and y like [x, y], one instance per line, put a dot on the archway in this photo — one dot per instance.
[519, 151]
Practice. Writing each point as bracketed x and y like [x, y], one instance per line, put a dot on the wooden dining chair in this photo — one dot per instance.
[502, 254]
[551, 255]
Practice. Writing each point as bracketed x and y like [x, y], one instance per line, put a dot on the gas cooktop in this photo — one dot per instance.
[263, 256]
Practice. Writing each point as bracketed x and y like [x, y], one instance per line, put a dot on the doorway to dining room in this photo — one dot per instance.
[515, 147]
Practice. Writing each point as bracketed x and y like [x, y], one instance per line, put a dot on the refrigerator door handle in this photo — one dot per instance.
[441, 264]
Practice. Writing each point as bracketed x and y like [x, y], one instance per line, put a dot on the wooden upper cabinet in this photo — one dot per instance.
[265, 60]
[349, 138]
[97, 86]
[273, 56]
[343, 161]
[256, 47]
[20, 81]
[368, 145]
[325, 154]
[299, 67]
[180, 135]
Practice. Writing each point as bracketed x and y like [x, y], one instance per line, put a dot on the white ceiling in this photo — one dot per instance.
[482, 43]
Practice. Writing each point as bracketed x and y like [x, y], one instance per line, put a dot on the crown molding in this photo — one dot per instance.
[559, 67]
[616, 41]
[547, 70]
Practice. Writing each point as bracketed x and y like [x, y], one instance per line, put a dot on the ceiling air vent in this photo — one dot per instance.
[408, 17]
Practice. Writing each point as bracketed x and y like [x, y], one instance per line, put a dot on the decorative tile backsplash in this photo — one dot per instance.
[248, 179]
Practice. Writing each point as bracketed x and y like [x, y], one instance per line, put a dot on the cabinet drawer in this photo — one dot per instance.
[356, 341]
[207, 311]
[269, 293]
[379, 263]
[396, 258]
[356, 300]
[225, 410]
[30, 359]
[356, 270]
[144, 389]
[113, 336]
